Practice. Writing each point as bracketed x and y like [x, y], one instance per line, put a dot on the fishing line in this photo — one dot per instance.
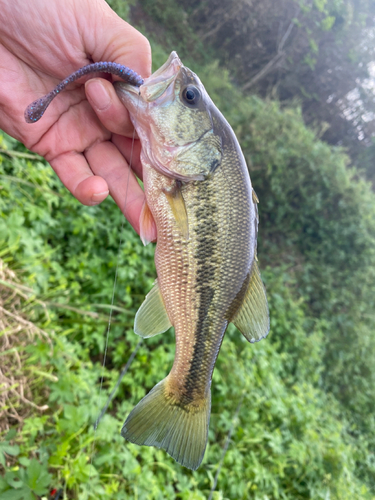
[122, 374]
[101, 414]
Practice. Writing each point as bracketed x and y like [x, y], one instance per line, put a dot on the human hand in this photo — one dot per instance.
[82, 133]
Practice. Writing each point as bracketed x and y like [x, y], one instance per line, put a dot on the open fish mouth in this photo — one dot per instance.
[154, 86]
[158, 82]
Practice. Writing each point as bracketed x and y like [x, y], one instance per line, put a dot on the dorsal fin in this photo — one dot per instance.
[252, 318]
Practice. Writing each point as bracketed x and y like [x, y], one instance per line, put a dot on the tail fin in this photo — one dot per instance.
[181, 430]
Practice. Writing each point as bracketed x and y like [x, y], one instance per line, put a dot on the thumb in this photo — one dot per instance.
[107, 37]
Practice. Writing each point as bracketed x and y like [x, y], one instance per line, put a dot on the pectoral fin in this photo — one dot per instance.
[177, 204]
[152, 317]
[147, 225]
[252, 318]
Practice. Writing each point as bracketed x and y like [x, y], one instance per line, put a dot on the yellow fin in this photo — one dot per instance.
[158, 420]
[152, 318]
[177, 204]
[252, 318]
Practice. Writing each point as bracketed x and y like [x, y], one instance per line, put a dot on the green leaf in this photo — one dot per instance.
[3, 485]
[13, 479]
[9, 449]
[38, 478]
[320, 4]
[11, 435]
[327, 23]
[313, 46]
[22, 494]
[24, 461]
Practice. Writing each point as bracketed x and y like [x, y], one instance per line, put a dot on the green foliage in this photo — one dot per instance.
[327, 23]
[6, 448]
[122, 7]
[26, 483]
[171, 27]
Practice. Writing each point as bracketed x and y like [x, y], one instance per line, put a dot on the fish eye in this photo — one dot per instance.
[191, 94]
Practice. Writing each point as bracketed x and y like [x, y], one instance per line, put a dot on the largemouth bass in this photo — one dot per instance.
[199, 193]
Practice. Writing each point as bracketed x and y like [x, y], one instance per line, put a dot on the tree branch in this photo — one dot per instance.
[276, 58]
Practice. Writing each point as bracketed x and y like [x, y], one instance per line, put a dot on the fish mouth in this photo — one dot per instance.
[154, 86]
[173, 62]
[158, 82]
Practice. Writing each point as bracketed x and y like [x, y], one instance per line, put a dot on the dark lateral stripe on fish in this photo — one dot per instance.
[207, 245]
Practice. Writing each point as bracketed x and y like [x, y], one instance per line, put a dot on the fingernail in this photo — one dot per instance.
[97, 198]
[98, 95]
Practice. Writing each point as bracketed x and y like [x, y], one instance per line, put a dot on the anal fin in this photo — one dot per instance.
[152, 317]
[252, 317]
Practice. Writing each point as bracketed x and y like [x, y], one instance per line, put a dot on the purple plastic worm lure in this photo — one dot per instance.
[36, 109]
